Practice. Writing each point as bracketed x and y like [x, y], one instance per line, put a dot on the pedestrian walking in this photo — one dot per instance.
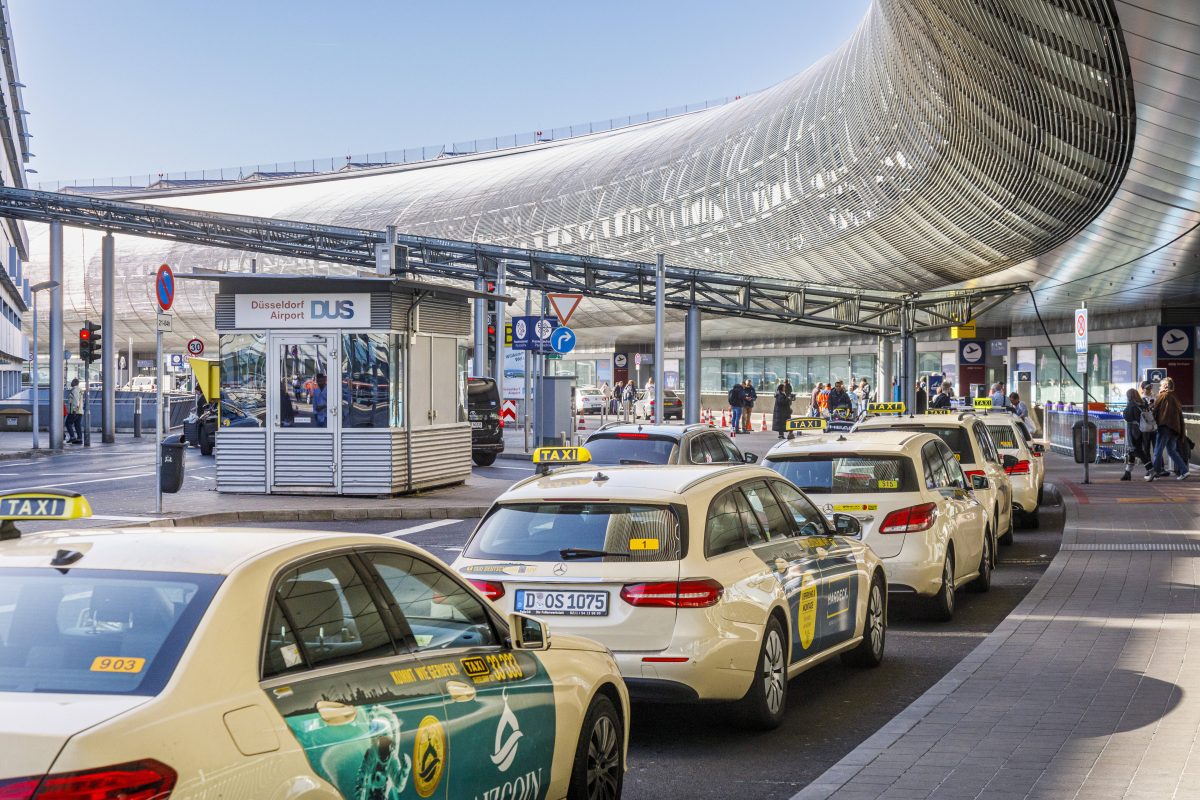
[782, 411]
[839, 398]
[628, 398]
[1171, 435]
[750, 396]
[1139, 433]
[814, 405]
[75, 413]
[1021, 412]
[737, 404]
[922, 398]
[606, 396]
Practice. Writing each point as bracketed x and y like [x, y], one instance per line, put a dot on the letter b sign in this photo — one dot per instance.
[327, 309]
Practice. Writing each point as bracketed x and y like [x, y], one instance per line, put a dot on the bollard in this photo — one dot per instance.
[137, 417]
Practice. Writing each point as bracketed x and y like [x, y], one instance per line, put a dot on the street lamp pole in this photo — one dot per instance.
[37, 401]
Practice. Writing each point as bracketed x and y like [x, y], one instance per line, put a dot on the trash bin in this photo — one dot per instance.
[1081, 439]
[171, 474]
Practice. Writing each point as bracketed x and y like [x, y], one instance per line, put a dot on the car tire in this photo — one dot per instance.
[1032, 520]
[983, 582]
[599, 767]
[941, 605]
[1041, 494]
[1007, 539]
[869, 652]
[483, 459]
[764, 705]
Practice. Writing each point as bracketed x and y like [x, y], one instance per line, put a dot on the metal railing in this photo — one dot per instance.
[269, 170]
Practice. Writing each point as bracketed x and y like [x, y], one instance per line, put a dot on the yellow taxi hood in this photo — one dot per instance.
[34, 726]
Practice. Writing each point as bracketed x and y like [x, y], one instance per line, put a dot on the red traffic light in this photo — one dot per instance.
[84, 334]
[491, 330]
[491, 286]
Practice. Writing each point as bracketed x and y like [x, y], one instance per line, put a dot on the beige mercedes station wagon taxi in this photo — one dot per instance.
[707, 582]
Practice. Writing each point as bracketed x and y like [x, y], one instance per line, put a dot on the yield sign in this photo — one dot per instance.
[564, 305]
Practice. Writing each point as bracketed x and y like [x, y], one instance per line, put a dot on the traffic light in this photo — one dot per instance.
[89, 342]
[491, 341]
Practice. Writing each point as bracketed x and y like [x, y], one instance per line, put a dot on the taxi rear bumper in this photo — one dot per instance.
[717, 664]
[917, 570]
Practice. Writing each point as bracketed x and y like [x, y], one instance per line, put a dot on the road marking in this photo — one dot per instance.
[425, 527]
[78, 483]
[453, 549]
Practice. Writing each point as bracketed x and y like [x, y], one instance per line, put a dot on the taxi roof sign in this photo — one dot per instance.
[561, 455]
[39, 505]
[885, 408]
[806, 424]
[938, 411]
[982, 402]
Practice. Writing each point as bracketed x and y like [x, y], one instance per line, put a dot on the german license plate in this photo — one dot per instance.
[577, 604]
[477, 424]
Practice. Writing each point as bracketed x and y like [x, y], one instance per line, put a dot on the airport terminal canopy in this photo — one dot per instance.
[944, 144]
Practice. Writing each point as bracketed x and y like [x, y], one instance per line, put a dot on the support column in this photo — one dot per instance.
[479, 361]
[500, 304]
[57, 374]
[659, 311]
[691, 366]
[108, 345]
[908, 362]
[885, 369]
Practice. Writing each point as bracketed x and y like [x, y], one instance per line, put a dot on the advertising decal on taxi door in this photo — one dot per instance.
[478, 725]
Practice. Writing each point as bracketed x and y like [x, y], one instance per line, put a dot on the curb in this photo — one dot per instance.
[828, 783]
[515, 456]
[314, 515]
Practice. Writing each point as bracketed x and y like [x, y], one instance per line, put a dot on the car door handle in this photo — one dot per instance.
[334, 713]
[460, 692]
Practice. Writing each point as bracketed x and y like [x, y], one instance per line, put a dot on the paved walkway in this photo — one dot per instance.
[1090, 688]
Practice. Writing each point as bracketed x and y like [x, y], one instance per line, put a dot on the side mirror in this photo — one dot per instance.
[750, 458]
[846, 525]
[1038, 448]
[980, 481]
[528, 633]
[1008, 461]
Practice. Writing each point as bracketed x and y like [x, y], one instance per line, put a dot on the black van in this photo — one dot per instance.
[483, 411]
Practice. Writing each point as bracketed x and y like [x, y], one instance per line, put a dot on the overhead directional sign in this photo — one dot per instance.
[562, 340]
[1081, 331]
[564, 305]
[164, 287]
[964, 331]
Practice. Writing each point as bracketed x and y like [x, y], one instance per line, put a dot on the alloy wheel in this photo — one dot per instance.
[772, 672]
[604, 761]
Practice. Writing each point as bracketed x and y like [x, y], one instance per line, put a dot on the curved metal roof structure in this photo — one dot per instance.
[948, 142]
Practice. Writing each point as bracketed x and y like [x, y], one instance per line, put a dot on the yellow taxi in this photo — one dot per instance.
[191, 663]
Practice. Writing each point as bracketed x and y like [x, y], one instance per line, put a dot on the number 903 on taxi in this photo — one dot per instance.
[273, 664]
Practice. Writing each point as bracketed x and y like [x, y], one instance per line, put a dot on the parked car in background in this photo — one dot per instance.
[141, 383]
[588, 400]
[700, 443]
[672, 405]
[483, 412]
[1028, 475]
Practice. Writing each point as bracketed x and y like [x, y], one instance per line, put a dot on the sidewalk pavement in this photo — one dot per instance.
[1089, 689]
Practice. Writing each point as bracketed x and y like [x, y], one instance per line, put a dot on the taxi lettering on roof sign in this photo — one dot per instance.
[561, 455]
[39, 505]
[885, 408]
[937, 411]
[806, 424]
[982, 402]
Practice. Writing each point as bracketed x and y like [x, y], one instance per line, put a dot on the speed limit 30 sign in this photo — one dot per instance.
[195, 347]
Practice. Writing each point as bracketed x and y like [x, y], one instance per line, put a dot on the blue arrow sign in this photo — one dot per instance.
[562, 340]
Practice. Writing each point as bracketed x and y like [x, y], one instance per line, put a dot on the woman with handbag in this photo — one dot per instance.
[1139, 432]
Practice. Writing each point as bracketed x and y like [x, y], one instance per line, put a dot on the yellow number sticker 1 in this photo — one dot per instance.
[643, 544]
[117, 664]
[892, 484]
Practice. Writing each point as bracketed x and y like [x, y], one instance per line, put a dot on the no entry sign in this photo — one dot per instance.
[164, 287]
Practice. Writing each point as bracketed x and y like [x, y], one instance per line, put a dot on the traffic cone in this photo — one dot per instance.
[764, 423]
[724, 421]
[582, 424]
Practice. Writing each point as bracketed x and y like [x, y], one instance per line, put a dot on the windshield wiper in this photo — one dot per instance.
[625, 461]
[568, 553]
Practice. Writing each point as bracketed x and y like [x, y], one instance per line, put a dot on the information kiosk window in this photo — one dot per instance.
[244, 371]
[372, 380]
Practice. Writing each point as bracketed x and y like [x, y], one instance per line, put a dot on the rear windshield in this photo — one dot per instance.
[96, 631]
[610, 449]
[542, 531]
[1004, 436]
[482, 393]
[955, 438]
[833, 474]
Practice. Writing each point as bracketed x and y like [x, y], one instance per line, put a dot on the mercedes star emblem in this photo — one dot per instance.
[560, 569]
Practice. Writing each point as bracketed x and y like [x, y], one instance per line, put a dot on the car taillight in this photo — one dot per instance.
[491, 589]
[696, 593]
[910, 520]
[971, 473]
[1036, 455]
[633, 436]
[1020, 468]
[501, 423]
[140, 780]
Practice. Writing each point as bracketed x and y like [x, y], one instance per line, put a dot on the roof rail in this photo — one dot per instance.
[707, 477]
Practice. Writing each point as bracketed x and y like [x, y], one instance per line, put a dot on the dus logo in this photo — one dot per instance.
[342, 309]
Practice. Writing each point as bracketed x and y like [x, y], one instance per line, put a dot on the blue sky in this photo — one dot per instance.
[124, 87]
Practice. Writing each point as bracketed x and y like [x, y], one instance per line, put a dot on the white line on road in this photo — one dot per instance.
[78, 483]
[118, 518]
[425, 527]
